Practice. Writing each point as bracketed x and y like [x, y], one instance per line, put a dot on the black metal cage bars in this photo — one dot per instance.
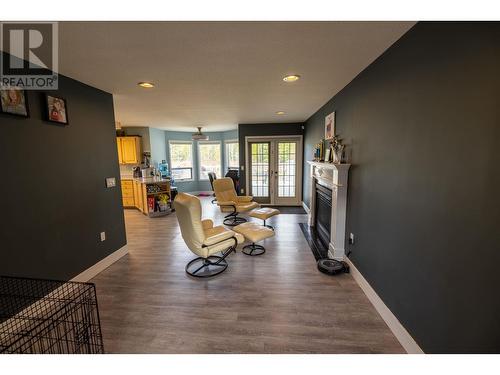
[47, 316]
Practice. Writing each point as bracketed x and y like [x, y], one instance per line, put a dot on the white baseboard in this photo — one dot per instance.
[308, 211]
[100, 266]
[40, 306]
[404, 338]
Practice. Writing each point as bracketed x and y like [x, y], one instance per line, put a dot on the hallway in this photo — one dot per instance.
[275, 303]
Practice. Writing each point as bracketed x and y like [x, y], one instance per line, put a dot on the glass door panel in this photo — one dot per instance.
[259, 171]
[286, 169]
[274, 170]
[286, 173]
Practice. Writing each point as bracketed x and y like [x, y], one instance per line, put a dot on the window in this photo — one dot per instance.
[232, 154]
[209, 157]
[181, 160]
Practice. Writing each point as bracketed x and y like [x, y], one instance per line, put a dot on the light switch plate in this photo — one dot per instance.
[110, 182]
[103, 236]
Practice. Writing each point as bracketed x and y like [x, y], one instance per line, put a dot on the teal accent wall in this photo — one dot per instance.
[158, 146]
[196, 184]
[231, 135]
[156, 141]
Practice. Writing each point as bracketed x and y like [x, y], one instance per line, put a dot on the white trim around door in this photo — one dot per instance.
[274, 200]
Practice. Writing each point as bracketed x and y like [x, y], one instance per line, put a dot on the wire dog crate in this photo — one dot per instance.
[47, 316]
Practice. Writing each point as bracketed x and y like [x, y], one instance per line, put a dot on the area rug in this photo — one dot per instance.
[290, 210]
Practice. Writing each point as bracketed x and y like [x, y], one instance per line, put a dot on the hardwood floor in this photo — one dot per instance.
[274, 303]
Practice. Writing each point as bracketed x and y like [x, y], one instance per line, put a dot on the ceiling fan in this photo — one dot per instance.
[199, 136]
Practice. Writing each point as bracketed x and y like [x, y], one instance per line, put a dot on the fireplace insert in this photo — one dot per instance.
[323, 213]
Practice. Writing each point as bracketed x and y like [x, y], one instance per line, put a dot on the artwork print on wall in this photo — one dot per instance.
[14, 102]
[330, 126]
[56, 109]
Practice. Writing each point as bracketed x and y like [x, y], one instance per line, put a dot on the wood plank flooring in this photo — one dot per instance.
[274, 303]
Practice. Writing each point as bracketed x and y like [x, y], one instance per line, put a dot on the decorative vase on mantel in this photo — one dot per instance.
[338, 154]
[337, 149]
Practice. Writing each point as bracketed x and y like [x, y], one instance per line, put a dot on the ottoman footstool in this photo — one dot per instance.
[253, 232]
[264, 213]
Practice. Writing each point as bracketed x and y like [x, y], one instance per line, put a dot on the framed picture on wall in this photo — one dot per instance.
[330, 126]
[57, 110]
[14, 101]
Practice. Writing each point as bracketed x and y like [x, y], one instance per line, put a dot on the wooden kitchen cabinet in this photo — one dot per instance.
[128, 193]
[119, 147]
[138, 196]
[129, 150]
[135, 194]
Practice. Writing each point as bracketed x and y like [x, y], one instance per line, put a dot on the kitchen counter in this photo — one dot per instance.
[151, 180]
[146, 193]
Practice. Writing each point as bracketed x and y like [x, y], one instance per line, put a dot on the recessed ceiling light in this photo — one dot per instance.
[291, 78]
[280, 113]
[146, 85]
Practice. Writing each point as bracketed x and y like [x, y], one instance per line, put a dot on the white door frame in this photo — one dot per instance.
[300, 167]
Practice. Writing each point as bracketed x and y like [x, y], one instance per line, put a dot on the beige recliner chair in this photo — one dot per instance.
[230, 202]
[203, 239]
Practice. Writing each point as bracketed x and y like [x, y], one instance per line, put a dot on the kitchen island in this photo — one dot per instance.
[150, 195]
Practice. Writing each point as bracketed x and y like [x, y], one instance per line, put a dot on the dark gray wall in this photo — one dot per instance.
[424, 204]
[271, 129]
[54, 199]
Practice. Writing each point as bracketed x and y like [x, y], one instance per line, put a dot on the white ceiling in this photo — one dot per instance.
[219, 74]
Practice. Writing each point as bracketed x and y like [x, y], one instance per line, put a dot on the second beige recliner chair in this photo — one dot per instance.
[231, 203]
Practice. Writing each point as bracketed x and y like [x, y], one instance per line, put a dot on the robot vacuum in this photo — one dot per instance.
[332, 266]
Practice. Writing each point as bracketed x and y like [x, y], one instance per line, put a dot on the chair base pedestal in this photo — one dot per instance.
[206, 267]
[253, 250]
[268, 226]
[233, 220]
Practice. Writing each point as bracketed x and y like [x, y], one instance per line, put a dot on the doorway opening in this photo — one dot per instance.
[274, 169]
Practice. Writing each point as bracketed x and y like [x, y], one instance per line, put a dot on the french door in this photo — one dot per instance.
[274, 170]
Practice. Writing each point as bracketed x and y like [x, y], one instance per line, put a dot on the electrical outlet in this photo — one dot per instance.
[351, 238]
[242, 167]
[103, 236]
[242, 191]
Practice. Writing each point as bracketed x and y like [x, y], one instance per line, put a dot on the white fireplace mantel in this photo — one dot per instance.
[335, 177]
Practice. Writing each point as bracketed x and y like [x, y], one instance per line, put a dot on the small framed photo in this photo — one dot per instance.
[57, 110]
[330, 126]
[14, 102]
[327, 155]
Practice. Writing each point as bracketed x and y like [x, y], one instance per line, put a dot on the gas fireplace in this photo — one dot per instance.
[329, 205]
